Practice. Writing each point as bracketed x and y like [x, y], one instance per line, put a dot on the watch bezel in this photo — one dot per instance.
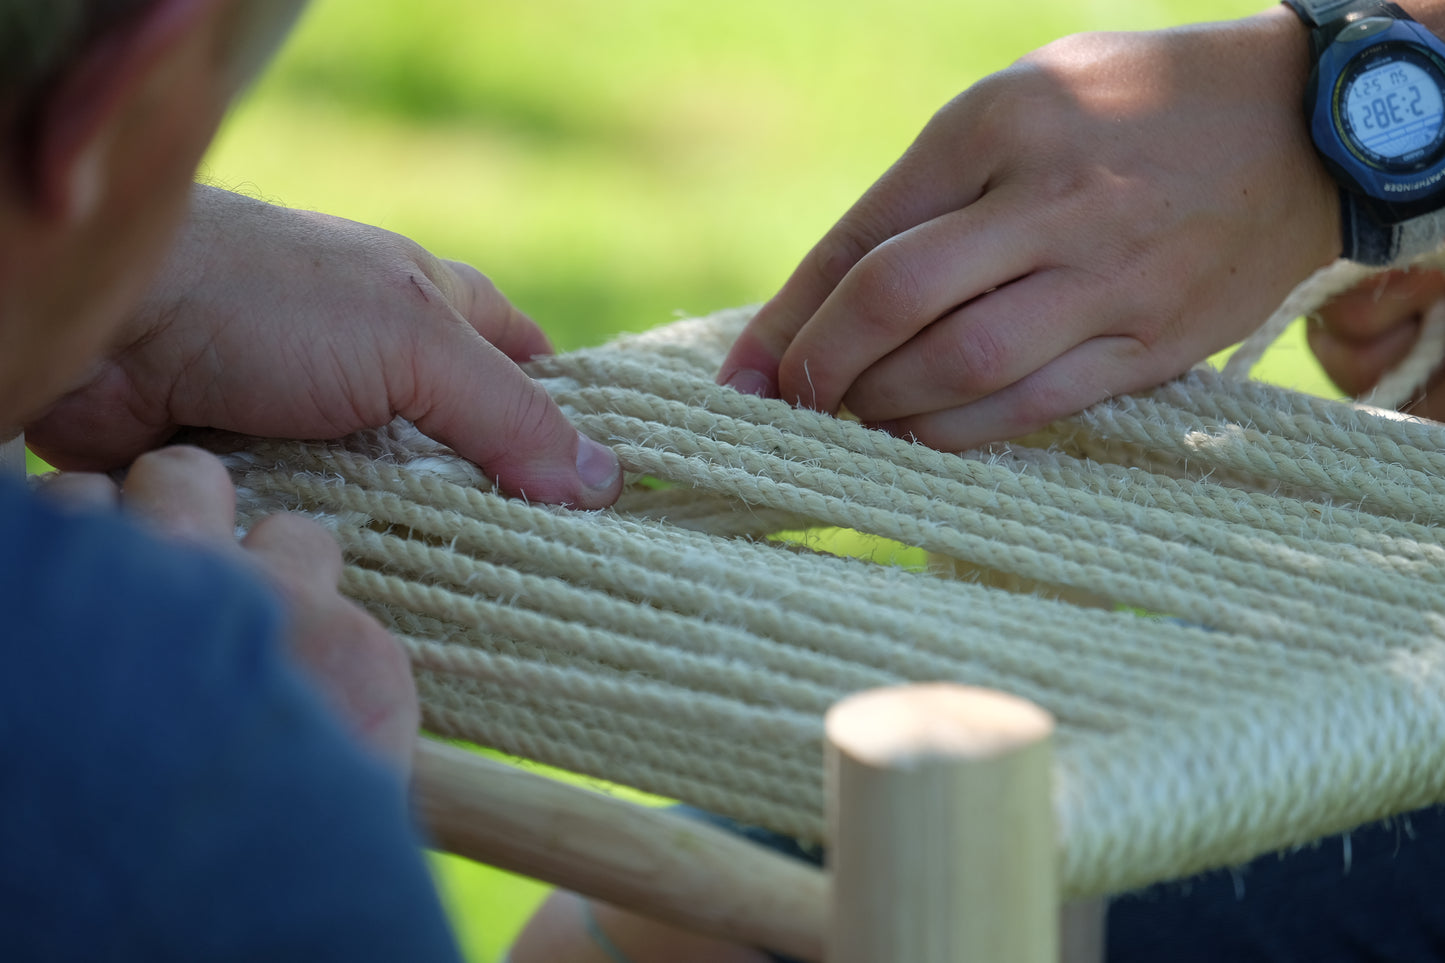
[1394, 194]
[1369, 59]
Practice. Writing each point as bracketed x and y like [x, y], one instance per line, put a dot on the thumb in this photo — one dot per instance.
[471, 397]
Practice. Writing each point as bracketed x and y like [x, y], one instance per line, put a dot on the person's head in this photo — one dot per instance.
[106, 107]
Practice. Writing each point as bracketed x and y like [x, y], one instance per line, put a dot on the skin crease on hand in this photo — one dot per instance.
[1091, 221]
[352, 326]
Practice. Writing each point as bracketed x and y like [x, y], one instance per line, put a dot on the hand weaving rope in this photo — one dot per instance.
[1237, 615]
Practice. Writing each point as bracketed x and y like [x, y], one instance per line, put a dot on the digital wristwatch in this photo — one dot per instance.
[1375, 104]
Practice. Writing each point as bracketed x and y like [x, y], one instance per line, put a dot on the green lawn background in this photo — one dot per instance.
[614, 165]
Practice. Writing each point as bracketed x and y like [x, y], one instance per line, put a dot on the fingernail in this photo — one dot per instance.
[596, 464]
[749, 382]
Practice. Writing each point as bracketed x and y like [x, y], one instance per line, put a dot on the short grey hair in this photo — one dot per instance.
[39, 38]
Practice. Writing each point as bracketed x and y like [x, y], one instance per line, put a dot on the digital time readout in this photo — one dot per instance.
[1395, 110]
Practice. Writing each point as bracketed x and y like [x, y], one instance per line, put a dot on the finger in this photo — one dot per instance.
[990, 343]
[81, 491]
[358, 665]
[296, 553]
[928, 181]
[366, 678]
[470, 396]
[184, 492]
[1380, 304]
[1098, 369]
[1356, 365]
[901, 288]
[490, 314]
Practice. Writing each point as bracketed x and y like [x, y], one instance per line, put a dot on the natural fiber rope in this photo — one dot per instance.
[1287, 684]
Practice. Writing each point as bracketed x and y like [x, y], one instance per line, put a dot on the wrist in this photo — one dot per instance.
[1281, 42]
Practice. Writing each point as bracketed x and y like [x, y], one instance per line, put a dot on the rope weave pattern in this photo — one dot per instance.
[1233, 607]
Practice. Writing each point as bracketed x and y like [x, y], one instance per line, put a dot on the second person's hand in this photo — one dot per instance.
[1091, 221]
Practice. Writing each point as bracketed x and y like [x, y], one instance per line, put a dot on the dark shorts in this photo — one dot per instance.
[1374, 894]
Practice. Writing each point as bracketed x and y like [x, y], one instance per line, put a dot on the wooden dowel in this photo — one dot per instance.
[665, 866]
[941, 828]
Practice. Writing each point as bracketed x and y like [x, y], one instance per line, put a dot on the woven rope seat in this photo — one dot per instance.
[1229, 595]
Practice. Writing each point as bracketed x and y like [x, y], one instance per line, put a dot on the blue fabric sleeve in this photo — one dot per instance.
[170, 787]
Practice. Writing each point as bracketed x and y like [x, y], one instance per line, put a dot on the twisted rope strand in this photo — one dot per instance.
[1299, 539]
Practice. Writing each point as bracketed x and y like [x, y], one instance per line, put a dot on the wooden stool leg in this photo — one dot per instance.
[674, 869]
[942, 844]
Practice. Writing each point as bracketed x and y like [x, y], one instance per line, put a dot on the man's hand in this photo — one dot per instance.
[277, 322]
[1091, 221]
[1363, 334]
[185, 494]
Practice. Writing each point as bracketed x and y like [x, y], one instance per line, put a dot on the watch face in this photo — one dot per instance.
[1391, 106]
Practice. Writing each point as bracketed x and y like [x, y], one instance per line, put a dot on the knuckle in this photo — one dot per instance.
[403, 250]
[1067, 190]
[530, 425]
[1010, 113]
[465, 287]
[886, 288]
[973, 359]
[382, 250]
[470, 276]
[1039, 403]
[840, 250]
[535, 417]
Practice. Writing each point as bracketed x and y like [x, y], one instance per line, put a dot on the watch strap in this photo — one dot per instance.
[1326, 18]
[1323, 13]
[1364, 238]
[1368, 241]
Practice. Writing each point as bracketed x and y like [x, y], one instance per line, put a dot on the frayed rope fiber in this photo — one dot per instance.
[1228, 594]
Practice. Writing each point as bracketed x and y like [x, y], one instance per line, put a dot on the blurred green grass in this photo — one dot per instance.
[611, 166]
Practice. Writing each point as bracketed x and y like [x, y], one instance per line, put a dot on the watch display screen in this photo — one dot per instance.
[1393, 107]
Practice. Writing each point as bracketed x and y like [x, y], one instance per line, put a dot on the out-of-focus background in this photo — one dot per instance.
[614, 165]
